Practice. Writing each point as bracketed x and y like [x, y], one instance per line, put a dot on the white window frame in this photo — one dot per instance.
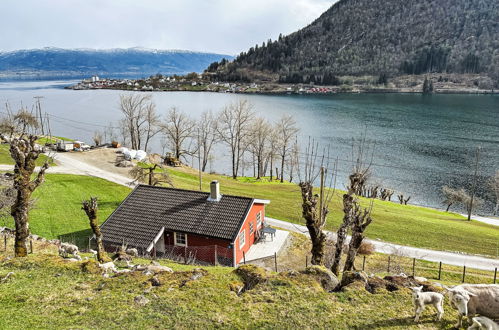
[242, 238]
[175, 239]
[259, 219]
[251, 227]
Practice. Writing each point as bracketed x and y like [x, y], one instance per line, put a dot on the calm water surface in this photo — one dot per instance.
[421, 142]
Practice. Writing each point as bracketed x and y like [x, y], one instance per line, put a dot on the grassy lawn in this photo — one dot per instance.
[58, 212]
[58, 204]
[74, 298]
[406, 225]
[6, 159]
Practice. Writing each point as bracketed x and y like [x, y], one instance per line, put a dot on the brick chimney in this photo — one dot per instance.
[214, 192]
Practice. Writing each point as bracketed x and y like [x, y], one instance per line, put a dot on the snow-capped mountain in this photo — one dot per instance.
[117, 62]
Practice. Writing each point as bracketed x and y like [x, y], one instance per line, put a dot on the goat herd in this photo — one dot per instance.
[468, 299]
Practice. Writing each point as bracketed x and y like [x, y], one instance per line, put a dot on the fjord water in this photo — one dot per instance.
[422, 142]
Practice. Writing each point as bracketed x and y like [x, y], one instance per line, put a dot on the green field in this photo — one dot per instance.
[6, 159]
[57, 212]
[57, 208]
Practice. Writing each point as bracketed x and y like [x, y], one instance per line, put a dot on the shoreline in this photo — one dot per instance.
[280, 92]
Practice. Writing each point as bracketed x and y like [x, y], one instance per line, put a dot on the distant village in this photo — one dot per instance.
[197, 82]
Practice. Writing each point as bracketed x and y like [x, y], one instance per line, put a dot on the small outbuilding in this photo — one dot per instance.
[193, 225]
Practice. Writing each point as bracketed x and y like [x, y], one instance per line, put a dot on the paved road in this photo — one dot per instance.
[456, 259]
[66, 164]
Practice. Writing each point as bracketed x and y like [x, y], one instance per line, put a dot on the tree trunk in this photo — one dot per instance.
[90, 207]
[342, 233]
[353, 247]
[448, 207]
[313, 223]
[282, 167]
[20, 213]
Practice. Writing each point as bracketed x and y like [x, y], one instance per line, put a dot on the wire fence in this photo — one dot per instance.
[214, 255]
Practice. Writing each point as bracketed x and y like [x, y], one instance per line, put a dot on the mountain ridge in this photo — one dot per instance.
[116, 62]
[378, 37]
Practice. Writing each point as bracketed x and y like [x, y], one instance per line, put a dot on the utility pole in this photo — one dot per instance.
[39, 112]
[321, 196]
[473, 190]
[199, 164]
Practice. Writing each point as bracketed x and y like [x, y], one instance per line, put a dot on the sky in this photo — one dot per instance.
[219, 26]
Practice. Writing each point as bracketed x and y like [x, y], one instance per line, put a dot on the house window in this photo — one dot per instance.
[252, 229]
[180, 239]
[242, 238]
[258, 219]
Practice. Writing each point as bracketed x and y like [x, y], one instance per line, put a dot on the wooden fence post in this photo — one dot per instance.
[31, 246]
[464, 272]
[364, 263]
[244, 258]
[306, 261]
[185, 255]
[413, 267]
[5, 242]
[275, 260]
[389, 259]
[439, 270]
[495, 275]
[216, 256]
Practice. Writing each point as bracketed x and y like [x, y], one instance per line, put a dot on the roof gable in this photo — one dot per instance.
[147, 209]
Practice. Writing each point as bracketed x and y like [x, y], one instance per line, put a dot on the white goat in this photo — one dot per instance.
[421, 299]
[483, 323]
[132, 252]
[471, 299]
[65, 249]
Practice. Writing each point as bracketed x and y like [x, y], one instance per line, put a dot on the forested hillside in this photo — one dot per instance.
[381, 38]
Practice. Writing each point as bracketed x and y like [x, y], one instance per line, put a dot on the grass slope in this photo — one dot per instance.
[402, 224]
[58, 204]
[6, 159]
[73, 298]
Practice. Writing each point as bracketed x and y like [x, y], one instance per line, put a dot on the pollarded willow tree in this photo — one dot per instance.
[315, 207]
[355, 217]
[24, 151]
[91, 207]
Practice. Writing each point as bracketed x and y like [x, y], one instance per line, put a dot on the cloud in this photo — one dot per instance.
[224, 26]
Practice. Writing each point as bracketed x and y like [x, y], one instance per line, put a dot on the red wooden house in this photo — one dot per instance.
[208, 227]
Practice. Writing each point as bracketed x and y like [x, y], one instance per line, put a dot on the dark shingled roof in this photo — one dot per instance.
[147, 209]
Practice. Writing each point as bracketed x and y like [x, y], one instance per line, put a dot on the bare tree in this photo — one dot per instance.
[360, 219]
[286, 130]
[453, 196]
[178, 128]
[97, 138]
[315, 206]
[259, 143]
[25, 122]
[357, 181]
[494, 185]
[7, 124]
[24, 151]
[90, 207]
[138, 111]
[271, 151]
[207, 137]
[151, 172]
[152, 124]
[234, 129]
[293, 160]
